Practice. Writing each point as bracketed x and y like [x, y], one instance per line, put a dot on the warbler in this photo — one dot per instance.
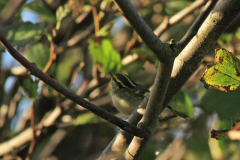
[127, 95]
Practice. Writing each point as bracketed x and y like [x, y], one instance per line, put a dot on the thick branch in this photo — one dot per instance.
[64, 91]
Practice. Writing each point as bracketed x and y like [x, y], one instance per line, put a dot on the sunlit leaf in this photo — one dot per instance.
[225, 74]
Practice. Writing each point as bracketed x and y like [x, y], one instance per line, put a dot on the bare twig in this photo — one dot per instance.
[144, 31]
[163, 119]
[55, 85]
[167, 23]
[30, 150]
[192, 31]
[95, 16]
[52, 57]
[178, 17]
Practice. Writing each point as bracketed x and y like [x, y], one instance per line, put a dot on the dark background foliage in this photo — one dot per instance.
[77, 43]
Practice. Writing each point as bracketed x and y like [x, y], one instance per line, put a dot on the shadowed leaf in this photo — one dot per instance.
[30, 87]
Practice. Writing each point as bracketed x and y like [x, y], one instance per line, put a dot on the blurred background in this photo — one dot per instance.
[77, 43]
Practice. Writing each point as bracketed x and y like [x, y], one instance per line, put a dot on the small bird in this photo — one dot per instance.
[127, 95]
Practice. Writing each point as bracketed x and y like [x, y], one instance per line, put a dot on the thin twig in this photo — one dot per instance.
[178, 17]
[52, 57]
[30, 150]
[192, 31]
[144, 31]
[64, 91]
[164, 119]
[95, 16]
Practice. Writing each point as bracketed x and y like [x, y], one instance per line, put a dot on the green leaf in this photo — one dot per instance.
[103, 52]
[43, 12]
[38, 54]
[20, 34]
[225, 104]
[29, 86]
[182, 103]
[225, 75]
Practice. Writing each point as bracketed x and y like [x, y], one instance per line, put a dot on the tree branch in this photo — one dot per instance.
[64, 91]
[144, 31]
